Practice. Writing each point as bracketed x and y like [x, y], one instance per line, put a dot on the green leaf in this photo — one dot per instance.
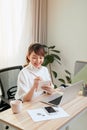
[48, 59]
[56, 51]
[68, 79]
[61, 80]
[67, 72]
[45, 46]
[56, 56]
[55, 86]
[46, 62]
[58, 62]
[51, 47]
[55, 74]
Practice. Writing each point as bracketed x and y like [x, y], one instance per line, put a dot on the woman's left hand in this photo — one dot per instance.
[48, 89]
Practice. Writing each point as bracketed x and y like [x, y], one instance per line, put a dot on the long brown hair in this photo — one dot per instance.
[37, 48]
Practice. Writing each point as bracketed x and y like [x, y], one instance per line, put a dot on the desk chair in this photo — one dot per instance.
[8, 85]
[80, 72]
[79, 65]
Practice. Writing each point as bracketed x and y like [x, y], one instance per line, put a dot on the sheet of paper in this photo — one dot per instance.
[40, 114]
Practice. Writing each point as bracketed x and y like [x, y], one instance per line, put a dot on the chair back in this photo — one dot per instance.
[80, 72]
[8, 81]
[79, 65]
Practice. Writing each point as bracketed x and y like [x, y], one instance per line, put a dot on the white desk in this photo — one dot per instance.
[23, 121]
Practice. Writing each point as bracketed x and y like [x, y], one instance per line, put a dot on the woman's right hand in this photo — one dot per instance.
[28, 96]
[36, 82]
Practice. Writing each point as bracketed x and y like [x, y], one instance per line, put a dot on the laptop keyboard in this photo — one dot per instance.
[56, 101]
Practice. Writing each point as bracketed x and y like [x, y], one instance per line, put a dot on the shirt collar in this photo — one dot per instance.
[31, 67]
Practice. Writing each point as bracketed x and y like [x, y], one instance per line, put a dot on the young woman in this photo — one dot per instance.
[30, 76]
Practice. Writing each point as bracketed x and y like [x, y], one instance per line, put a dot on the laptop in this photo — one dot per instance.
[53, 99]
[61, 98]
[71, 92]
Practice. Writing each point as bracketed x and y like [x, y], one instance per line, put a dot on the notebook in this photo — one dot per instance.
[61, 98]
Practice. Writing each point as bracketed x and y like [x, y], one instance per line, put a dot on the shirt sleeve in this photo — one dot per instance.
[21, 86]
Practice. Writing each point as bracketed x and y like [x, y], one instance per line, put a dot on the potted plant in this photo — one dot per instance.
[51, 56]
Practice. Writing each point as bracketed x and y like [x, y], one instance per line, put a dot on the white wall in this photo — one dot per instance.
[67, 29]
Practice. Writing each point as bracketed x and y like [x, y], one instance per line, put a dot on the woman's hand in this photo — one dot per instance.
[36, 82]
[48, 89]
[28, 96]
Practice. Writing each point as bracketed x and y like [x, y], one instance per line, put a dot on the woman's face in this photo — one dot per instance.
[35, 59]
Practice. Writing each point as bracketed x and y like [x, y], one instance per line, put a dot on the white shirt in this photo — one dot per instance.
[26, 79]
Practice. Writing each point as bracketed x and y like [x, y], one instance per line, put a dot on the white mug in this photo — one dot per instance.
[16, 106]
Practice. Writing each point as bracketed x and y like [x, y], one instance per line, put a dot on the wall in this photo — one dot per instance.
[67, 29]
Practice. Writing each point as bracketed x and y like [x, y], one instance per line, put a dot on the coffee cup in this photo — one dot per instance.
[16, 106]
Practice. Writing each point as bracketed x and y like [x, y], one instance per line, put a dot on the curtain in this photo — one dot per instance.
[39, 21]
[15, 31]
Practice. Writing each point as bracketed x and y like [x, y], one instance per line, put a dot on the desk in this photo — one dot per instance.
[23, 121]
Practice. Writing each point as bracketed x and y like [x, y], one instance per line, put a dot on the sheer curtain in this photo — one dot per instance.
[39, 20]
[15, 31]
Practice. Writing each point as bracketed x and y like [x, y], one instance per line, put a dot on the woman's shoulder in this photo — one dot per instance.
[24, 72]
[24, 69]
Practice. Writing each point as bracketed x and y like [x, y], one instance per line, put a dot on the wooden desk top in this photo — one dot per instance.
[23, 121]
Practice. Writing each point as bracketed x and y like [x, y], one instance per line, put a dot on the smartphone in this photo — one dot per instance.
[50, 110]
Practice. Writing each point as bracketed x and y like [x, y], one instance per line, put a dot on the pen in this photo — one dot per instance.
[34, 75]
